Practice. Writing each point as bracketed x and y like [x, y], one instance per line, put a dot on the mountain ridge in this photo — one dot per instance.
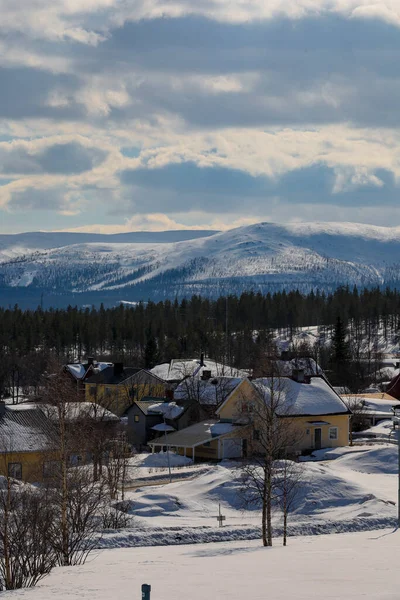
[261, 257]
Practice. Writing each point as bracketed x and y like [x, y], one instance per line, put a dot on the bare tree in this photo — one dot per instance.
[26, 519]
[288, 480]
[358, 418]
[274, 436]
[74, 493]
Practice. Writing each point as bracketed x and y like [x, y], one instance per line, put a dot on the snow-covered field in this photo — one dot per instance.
[347, 489]
[343, 490]
[346, 566]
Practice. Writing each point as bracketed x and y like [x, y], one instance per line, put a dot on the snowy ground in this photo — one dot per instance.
[348, 489]
[346, 566]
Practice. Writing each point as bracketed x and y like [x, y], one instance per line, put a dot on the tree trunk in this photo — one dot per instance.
[264, 516]
[285, 514]
[7, 564]
[269, 511]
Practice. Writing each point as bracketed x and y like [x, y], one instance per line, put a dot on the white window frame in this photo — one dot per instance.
[335, 432]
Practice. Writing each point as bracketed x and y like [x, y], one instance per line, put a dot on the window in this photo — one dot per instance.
[333, 433]
[256, 435]
[15, 470]
[307, 432]
[207, 444]
[92, 390]
[136, 418]
[108, 392]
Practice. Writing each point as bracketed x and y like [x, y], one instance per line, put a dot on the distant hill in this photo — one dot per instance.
[81, 268]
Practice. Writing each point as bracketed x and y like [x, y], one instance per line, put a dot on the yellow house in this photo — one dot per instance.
[314, 409]
[26, 443]
[117, 387]
[211, 438]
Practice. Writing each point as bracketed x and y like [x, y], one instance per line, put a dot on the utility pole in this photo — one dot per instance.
[396, 421]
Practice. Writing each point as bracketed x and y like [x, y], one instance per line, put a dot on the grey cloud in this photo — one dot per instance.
[64, 158]
[25, 93]
[185, 186]
[311, 70]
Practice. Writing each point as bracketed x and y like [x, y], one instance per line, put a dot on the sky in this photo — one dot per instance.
[128, 115]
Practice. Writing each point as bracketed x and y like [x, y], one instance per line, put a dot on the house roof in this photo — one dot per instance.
[196, 435]
[180, 368]
[81, 370]
[25, 428]
[169, 410]
[109, 377]
[145, 403]
[302, 399]
[211, 392]
[75, 411]
[373, 403]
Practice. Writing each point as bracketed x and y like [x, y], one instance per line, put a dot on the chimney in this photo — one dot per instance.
[202, 360]
[118, 368]
[90, 360]
[206, 375]
[298, 375]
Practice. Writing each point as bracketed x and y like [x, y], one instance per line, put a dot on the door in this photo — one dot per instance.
[232, 448]
[318, 438]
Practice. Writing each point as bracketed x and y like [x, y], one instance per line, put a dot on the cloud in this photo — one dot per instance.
[206, 108]
[57, 158]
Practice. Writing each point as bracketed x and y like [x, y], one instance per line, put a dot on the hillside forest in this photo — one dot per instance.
[353, 328]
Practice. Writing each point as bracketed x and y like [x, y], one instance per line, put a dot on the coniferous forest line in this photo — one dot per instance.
[234, 329]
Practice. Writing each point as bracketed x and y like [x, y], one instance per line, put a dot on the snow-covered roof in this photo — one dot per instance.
[25, 428]
[170, 410]
[373, 403]
[211, 391]
[78, 411]
[302, 399]
[179, 368]
[79, 370]
[197, 434]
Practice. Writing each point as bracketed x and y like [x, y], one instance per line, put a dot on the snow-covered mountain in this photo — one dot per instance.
[264, 256]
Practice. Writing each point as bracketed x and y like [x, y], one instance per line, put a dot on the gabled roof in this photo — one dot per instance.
[79, 411]
[145, 403]
[196, 435]
[211, 392]
[109, 377]
[25, 429]
[179, 368]
[82, 370]
[302, 399]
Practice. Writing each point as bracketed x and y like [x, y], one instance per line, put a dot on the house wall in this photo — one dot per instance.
[118, 398]
[243, 393]
[140, 432]
[31, 462]
[306, 431]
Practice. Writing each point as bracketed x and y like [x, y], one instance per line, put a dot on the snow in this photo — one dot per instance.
[179, 368]
[160, 459]
[314, 398]
[302, 255]
[77, 370]
[347, 566]
[170, 410]
[347, 489]
[211, 391]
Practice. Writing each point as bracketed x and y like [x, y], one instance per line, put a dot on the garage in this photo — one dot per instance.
[232, 448]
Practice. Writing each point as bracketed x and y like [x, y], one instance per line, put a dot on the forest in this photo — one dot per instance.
[234, 329]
